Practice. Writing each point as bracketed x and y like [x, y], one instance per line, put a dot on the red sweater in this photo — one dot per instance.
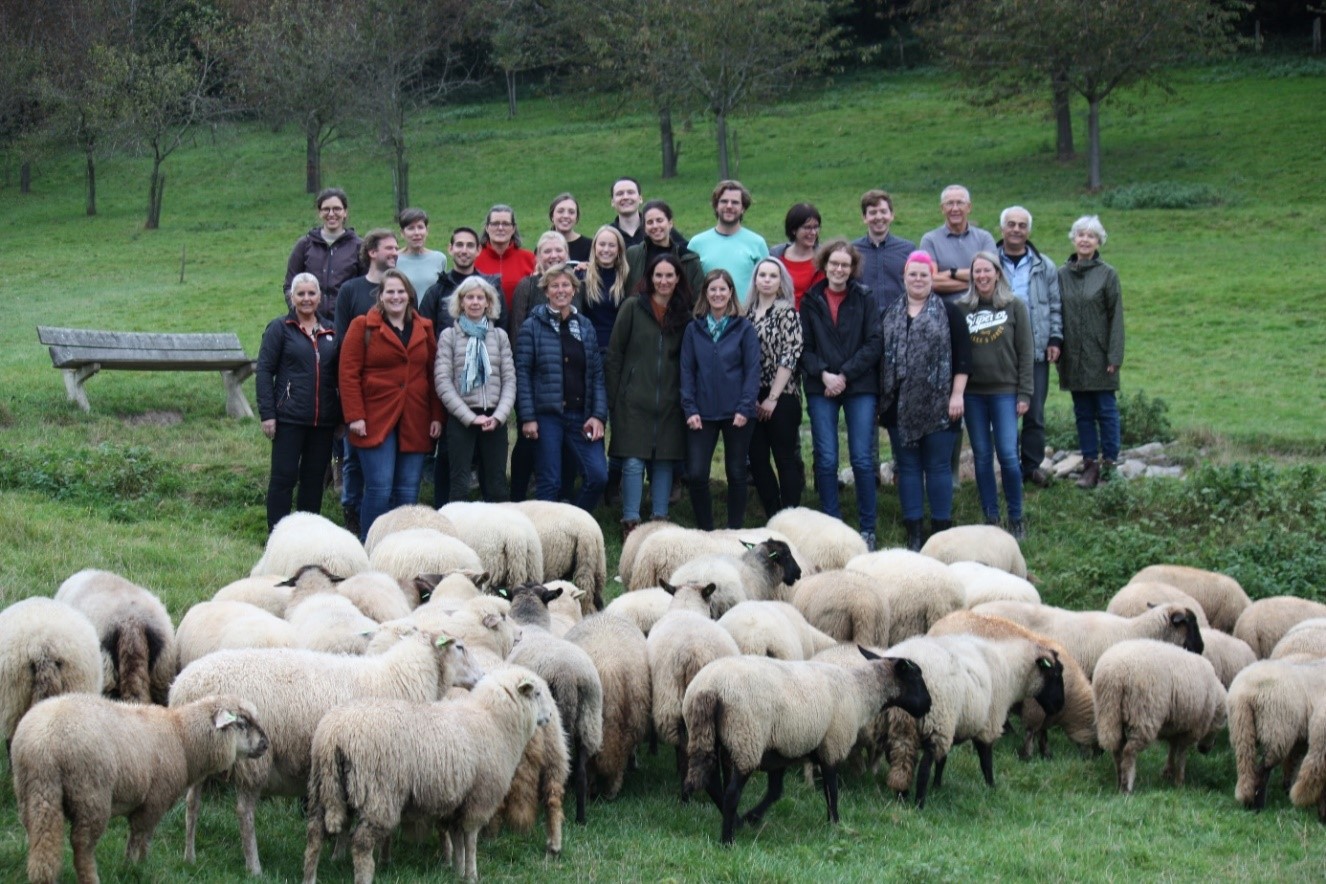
[389, 386]
[513, 265]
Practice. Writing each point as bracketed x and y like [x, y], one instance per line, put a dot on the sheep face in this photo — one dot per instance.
[240, 719]
[780, 554]
[529, 604]
[535, 692]
[1051, 694]
[1184, 622]
[453, 657]
[909, 691]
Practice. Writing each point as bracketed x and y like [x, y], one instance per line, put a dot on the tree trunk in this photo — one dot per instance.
[511, 95]
[1063, 118]
[312, 161]
[154, 196]
[1093, 144]
[400, 177]
[720, 127]
[668, 140]
[91, 179]
[25, 177]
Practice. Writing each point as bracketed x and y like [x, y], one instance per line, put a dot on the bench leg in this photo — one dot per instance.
[74, 379]
[237, 404]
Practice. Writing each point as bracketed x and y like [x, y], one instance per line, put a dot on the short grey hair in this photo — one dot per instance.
[1003, 216]
[966, 194]
[467, 285]
[301, 278]
[1087, 224]
[550, 236]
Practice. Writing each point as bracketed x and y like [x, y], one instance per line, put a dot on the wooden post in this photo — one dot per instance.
[183, 251]
[1257, 35]
[1316, 36]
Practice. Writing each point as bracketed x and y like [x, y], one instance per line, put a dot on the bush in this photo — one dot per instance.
[1163, 195]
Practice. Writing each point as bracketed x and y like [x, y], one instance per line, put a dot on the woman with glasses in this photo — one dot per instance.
[329, 251]
[802, 226]
[501, 254]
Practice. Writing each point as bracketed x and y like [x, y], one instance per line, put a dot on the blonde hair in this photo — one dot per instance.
[593, 282]
[468, 284]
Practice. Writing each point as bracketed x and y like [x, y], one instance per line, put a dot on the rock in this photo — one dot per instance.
[1145, 452]
[886, 474]
[845, 478]
[1131, 469]
[1160, 472]
[1070, 464]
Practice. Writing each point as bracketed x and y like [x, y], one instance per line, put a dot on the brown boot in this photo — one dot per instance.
[1090, 474]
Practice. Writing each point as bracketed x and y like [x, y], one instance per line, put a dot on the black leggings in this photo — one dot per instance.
[781, 436]
[700, 445]
[299, 454]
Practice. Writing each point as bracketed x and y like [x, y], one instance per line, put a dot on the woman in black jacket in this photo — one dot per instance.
[298, 401]
[840, 362]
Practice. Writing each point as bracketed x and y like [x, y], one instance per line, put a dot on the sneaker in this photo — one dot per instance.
[869, 538]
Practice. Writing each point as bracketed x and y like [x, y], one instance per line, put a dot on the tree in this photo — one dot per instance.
[87, 97]
[526, 35]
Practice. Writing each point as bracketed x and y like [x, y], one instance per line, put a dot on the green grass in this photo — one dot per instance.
[156, 483]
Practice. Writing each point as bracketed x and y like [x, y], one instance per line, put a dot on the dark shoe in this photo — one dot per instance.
[937, 525]
[674, 496]
[350, 516]
[992, 520]
[629, 525]
[1017, 529]
[915, 540]
[869, 538]
[1090, 477]
[1037, 477]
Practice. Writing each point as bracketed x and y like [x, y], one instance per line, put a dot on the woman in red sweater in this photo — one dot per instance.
[501, 254]
[392, 414]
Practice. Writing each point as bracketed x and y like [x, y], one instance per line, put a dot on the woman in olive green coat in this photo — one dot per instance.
[1093, 347]
[644, 386]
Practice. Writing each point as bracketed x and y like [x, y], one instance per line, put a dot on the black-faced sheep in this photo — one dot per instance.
[302, 539]
[1263, 623]
[452, 761]
[1078, 717]
[1220, 596]
[618, 649]
[1270, 705]
[773, 629]
[573, 548]
[665, 551]
[754, 713]
[973, 683]
[827, 543]
[297, 688]
[1147, 690]
[137, 638]
[403, 518]
[920, 589]
[846, 605]
[84, 758]
[987, 544]
[1087, 634]
[213, 626]
[764, 571]
[46, 649]
[504, 538]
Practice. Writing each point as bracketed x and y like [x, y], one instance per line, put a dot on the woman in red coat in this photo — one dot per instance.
[392, 414]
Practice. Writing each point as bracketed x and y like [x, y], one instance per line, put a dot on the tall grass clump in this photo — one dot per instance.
[1163, 195]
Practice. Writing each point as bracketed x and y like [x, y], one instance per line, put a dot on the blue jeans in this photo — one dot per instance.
[924, 471]
[633, 487]
[566, 432]
[1097, 414]
[391, 479]
[859, 413]
[352, 477]
[997, 412]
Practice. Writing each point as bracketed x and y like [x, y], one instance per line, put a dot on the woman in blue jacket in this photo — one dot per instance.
[720, 379]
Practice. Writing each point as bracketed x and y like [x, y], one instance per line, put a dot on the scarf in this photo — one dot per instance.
[477, 366]
[716, 326]
[917, 368]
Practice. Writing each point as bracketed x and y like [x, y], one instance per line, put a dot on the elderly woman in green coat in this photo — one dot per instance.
[1093, 347]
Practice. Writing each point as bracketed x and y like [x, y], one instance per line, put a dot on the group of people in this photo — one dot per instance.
[628, 353]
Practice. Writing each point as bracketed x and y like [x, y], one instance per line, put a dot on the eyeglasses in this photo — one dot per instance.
[810, 228]
[839, 265]
[332, 210]
[500, 224]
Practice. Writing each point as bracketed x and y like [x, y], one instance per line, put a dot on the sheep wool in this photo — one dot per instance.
[139, 657]
[766, 570]
[378, 595]
[846, 605]
[1230, 655]
[1306, 637]
[663, 552]
[1147, 690]
[265, 591]
[573, 548]
[644, 607]
[631, 548]
[617, 648]
[1139, 595]
[773, 629]
[920, 589]
[410, 552]
[46, 649]
[84, 758]
[1270, 706]
[1221, 596]
[450, 761]
[828, 543]
[1310, 784]
[402, 518]
[302, 539]
[213, 626]
[982, 583]
[505, 540]
[1265, 621]
[987, 544]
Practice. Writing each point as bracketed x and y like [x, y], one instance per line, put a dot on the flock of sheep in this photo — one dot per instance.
[460, 671]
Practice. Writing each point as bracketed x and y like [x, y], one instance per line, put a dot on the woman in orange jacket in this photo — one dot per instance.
[391, 411]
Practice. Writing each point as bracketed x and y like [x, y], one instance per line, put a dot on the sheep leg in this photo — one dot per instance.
[1259, 793]
[142, 823]
[683, 761]
[1177, 763]
[985, 752]
[830, 774]
[193, 805]
[939, 771]
[313, 848]
[246, 803]
[1125, 763]
[772, 794]
[363, 845]
[731, 799]
[471, 836]
[84, 834]
[923, 775]
[581, 775]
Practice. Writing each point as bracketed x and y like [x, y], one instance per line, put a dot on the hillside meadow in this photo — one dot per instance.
[1222, 306]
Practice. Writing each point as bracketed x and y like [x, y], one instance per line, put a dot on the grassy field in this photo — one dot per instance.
[156, 483]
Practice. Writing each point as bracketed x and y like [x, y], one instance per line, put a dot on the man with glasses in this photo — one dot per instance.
[329, 251]
[727, 245]
[954, 243]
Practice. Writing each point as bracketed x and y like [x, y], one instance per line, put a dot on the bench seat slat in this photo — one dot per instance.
[148, 360]
[188, 341]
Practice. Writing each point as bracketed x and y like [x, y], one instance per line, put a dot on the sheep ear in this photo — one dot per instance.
[426, 583]
[668, 587]
[224, 718]
[549, 595]
[708, 591]
[527, 687]
[867, 653]
[290, 582]
[444, 640]
[479, 578]
[577, 593]
[490, 621]
[1177, 618]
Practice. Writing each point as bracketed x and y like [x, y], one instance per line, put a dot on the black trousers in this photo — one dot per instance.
[300, 454]
[780, 436]
[700, 445]
[463, 443]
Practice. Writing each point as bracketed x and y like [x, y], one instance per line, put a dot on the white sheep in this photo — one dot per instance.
[773, 629]
[1221, 596]
[1230, 655]
[665, 550]
[987, 544]
[1265, 621]
[483, 624]
[213, 626]
[1147, 690]
[411, 552]
[1305, 637]
[1086, 634]
[84, 758]
[631, 548]
[920, 589]
[378, 595]
[846, 605]
[540, 780]
[573, 548]
[982, 583]
[766, 570]
[265, 591]
[452, 761]
[302, 539]
[682, 643]
[643, 607]
[451, 588]
[973, 684]
[828, 543]
[403, 518]
[137, 638]
[323, 619]
[571, 676]
[1139, 595]
[297, 687]
[46, 649]
[567, 609]
[505, 540]
[1310, 784]
[1270, 706]
[761, 714]
[1078, 717]
[618, 649]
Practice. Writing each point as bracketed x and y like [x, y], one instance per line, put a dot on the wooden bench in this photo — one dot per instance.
[81, 353]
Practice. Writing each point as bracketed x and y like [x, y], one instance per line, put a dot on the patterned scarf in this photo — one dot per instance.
[477, 365]
[716, 326]
[917, 368]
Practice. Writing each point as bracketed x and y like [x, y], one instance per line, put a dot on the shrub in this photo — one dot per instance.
[1163, 195]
